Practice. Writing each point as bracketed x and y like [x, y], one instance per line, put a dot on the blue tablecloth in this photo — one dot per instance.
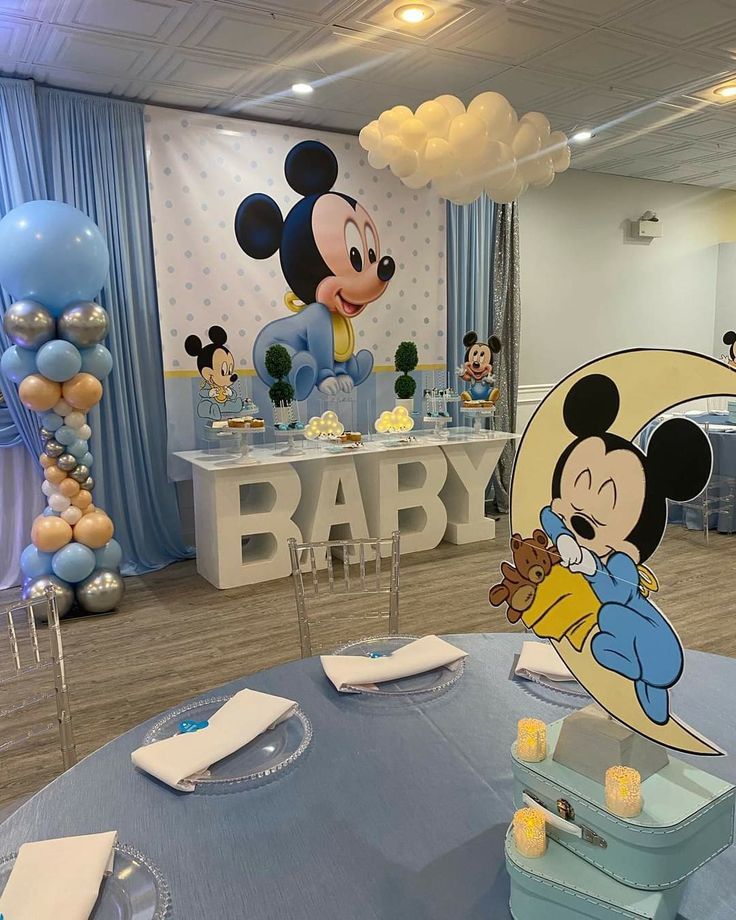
[397, 811]
[722, 488]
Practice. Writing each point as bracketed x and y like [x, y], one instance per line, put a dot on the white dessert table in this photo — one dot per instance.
[428, 488]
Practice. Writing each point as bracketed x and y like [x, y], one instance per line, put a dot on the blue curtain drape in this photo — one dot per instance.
[21, 179]
[469, 274]
[94, 157]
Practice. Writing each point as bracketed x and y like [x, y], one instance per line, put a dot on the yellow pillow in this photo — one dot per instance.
[564, 607]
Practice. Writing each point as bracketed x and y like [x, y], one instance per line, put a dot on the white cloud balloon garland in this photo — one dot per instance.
[465, 152]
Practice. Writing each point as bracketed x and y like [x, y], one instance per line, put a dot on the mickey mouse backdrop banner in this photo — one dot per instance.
[269, 234]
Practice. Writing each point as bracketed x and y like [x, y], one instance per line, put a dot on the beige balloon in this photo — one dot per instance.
[94, 530]
[38, 393]
[49, 534]
[413, 133]
[83, 391]
[435, 118]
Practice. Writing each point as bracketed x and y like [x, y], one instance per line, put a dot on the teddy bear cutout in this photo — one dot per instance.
[533, 561]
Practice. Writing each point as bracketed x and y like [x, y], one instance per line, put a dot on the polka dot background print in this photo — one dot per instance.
[200, 169]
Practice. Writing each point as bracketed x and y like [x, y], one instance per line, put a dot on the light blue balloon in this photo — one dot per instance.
[34, 563]
[58, 360]
[47, 512]
[66, 435]
[87, 460]
[109, 556]
[51, 421]
[97, 361]
[78, 449]
[17, 363]
[73, 562]
[51, 253]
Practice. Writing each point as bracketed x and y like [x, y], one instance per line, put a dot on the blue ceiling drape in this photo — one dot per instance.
[93, 155]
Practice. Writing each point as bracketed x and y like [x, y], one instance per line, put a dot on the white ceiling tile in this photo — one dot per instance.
[595, 12]
[250, 34]
[680, 73]
[314, 10]
[599, 55]
[92, 52]
[527, 89]
[675, 21]
[16, 37]
[199, 70]
[437, 72]
[360, 56]
[513, 37]
[73, 79]
[152, 19]
[377, 17]
[593, 105]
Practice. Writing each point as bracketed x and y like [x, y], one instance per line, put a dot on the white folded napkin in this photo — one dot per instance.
[184, 758]
[58, 879]
[540, 659]
[347, 671]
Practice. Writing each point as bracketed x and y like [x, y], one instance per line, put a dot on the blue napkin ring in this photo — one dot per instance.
[376, 655]
[189, 725]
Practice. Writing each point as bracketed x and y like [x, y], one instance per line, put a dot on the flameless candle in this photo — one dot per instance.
[531, 740]
[623, 791]
[530, 834]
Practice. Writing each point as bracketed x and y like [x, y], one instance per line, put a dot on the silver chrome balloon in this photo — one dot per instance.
[83, 324]
[35, 589]
[46, 435]
[52, 448]
[67, 462]
[80, 472]
[88, 484]
[101, 592]
[28, 324]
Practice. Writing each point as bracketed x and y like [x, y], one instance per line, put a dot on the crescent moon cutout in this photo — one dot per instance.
[649, 381]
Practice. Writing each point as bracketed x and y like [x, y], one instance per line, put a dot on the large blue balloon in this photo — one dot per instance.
[58, 360]
[97, 361]
[73, 562]
[17, 363]
[110, 556]
[78, 448]
[34, 563]
[88, 460]
[51, 253]
[66, 435]
[51, 421]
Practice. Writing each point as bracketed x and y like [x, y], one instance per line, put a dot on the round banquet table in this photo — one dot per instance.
[396, 811]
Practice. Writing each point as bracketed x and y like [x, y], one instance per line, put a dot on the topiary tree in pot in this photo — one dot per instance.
[405, 361]
[281, 392]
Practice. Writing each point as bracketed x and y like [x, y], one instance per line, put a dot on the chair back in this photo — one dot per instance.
[345, 589]
[35, 673]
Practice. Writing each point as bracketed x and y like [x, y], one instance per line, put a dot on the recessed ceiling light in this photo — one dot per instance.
[413, 13]
[582, 136]
[726, 91]
[302, 89]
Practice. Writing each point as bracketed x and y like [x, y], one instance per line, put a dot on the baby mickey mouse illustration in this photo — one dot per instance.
[331, 258]
[608, 515]
[216, 367]
[729, 338]
[477, 368]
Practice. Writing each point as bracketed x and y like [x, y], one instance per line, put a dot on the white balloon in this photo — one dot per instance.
[453, 105]
[85, 432]
[391, 146]
[75, 419]
[59, 502]
[548, 180]
[452, 184]
[538, 171]
[499, 167]
[404, 163]
[370, 136]
[390, 121]
[466, 132]
[540, 122]
[509, 192]
[435, 118]
[470, 193]
[559, 151]
[72, 515]
[377, 159]
[526, 143]
[418, 179]
[48, 488]
[438, 157]
[413, 133]
[497, 114]
[62, 408]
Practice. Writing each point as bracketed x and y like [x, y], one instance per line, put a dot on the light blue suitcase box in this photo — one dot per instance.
[687, 819]
[560, 886]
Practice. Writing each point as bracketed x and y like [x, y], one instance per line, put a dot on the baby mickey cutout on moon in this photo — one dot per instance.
[601, 501]
[330, 255]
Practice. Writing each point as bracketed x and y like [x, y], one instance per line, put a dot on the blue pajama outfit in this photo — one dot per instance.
[308, 337]
[209, 407]
[635, 639]
[480, 389]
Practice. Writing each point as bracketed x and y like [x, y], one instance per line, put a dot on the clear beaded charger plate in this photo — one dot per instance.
[136, 889]
[270, 753]
[428, 682]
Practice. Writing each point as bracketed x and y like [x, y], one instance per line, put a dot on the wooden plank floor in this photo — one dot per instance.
[176, 636]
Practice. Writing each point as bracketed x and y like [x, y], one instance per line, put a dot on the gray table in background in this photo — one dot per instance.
[397, 811]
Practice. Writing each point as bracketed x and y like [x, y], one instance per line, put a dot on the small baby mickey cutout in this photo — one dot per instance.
[607, 515]
[330, 255]
[477, 368]
[216, 366]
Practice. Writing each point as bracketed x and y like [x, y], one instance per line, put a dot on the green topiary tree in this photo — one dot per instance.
[405, 360]
[278, 365]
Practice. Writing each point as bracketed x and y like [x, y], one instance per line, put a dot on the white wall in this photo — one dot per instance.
[588, 288]
[725, 316]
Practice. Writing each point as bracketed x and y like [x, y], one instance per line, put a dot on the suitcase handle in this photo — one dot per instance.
[560, 824]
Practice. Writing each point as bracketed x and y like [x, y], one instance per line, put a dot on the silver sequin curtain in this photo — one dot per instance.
[506, 306]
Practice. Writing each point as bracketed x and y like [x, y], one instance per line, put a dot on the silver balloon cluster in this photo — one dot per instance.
[29, 325]
[84, 324]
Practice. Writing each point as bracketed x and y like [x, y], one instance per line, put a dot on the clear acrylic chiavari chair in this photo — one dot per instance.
[345, 586]
[33, 673]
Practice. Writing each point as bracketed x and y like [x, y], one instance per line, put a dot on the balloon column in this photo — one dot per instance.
[464, 152]
[54, 260]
